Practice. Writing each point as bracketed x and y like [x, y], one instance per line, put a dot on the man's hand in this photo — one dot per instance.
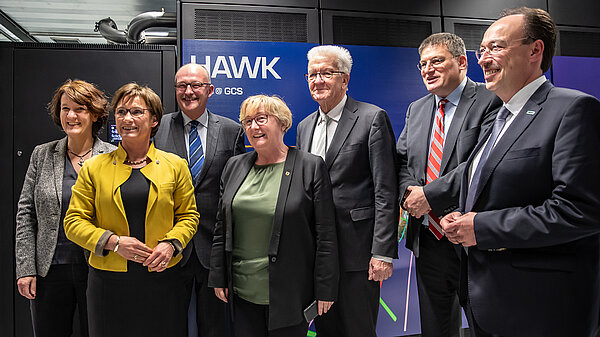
[460, 229]
[380, 270]
[416, 203]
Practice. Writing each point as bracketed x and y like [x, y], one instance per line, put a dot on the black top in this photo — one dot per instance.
[134, 193]
[66, 251]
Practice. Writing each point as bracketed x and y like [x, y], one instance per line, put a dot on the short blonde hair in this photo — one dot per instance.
[272, 105]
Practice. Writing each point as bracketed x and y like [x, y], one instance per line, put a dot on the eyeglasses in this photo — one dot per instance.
[326, 75]
[497, 47]
[435, 62]
[182, 86]
[135, 112]
[259, 119]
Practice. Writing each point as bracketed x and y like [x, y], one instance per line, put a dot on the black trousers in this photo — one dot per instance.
[354, 314]
[438, 273]
[142, 303]
[58, 295]
[210, 310]
[252, 320]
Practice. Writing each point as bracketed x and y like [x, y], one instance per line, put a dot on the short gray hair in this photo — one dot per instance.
[341, 54]
[453, 43]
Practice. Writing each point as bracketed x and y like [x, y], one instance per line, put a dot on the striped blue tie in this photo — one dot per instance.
[196, 151]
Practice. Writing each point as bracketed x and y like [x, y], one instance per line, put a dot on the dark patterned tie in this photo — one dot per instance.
[196, 151]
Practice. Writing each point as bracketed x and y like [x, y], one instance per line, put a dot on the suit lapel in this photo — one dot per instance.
[420, 143]
[58, 167]
[345, 125]
[284, 187]
[212, 136]
[232, 186]
[308, 136]
[177, 135]
[527, 114]
[466, 101]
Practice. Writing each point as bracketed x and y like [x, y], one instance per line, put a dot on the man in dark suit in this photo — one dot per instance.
[530, 195]
[440, 132]
[357, 142]
[220, 138]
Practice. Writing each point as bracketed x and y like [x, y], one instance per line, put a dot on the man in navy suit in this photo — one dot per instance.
[220, 138]
[440, 131]
[530, 197]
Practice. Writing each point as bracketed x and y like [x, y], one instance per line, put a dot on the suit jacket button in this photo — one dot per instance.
[273, 259]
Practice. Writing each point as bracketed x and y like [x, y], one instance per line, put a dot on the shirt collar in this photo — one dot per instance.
[203, 119]
[517, 102]
[454, 96]
[336, 112]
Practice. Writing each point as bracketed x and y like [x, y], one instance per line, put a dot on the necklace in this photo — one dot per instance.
[127, 161]
[81, 160]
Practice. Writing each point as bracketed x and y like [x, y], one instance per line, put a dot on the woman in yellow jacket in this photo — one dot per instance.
[134, 210]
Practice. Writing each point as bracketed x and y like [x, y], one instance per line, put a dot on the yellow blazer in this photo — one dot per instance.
[96, 209]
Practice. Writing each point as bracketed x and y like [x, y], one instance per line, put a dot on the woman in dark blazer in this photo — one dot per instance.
[275, 247]
[51, 270]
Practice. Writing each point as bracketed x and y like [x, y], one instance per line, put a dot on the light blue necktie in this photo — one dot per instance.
[196, 151]
[474, 187]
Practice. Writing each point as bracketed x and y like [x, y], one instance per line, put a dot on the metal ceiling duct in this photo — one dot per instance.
[108, 28]
[134, 34]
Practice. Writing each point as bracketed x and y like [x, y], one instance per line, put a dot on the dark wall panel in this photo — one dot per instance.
[575, 13]
[286, 3]
[485, 9]
[423, 7]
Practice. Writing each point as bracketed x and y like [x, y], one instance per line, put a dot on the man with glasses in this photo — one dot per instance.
[530, 196]
[439, 134]
[356, 141]
[207, 141]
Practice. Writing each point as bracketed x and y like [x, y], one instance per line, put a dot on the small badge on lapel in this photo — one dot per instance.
[287, 173]
[530, 112]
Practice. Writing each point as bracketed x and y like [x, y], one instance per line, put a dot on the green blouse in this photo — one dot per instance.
[253, 210]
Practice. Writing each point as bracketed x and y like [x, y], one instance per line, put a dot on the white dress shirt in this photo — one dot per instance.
[514, 106]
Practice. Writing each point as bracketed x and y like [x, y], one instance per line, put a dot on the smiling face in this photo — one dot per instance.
[514, 64]
[267, 137]
[327, 92]
[193, 101]
[135, 129]
[441, 72]
[75, 118]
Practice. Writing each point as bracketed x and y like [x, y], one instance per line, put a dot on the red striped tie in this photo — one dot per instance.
[434, 162]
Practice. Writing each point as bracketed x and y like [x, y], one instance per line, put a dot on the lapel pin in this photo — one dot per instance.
[530, 112]
[287, 173]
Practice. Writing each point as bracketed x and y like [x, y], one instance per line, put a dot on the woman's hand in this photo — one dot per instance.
[27, 286]
[130, 248]
[223, 294]
[324, 306]
[160, 257]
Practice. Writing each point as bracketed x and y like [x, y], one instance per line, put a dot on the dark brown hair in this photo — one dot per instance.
[132, 90]
[83, 93]
[538, 26]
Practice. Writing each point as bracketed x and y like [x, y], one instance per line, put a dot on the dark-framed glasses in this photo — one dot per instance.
[259, 119]
[135, 112]
[325, 75]
[182, 86]
[435, 62]
[496, 47]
